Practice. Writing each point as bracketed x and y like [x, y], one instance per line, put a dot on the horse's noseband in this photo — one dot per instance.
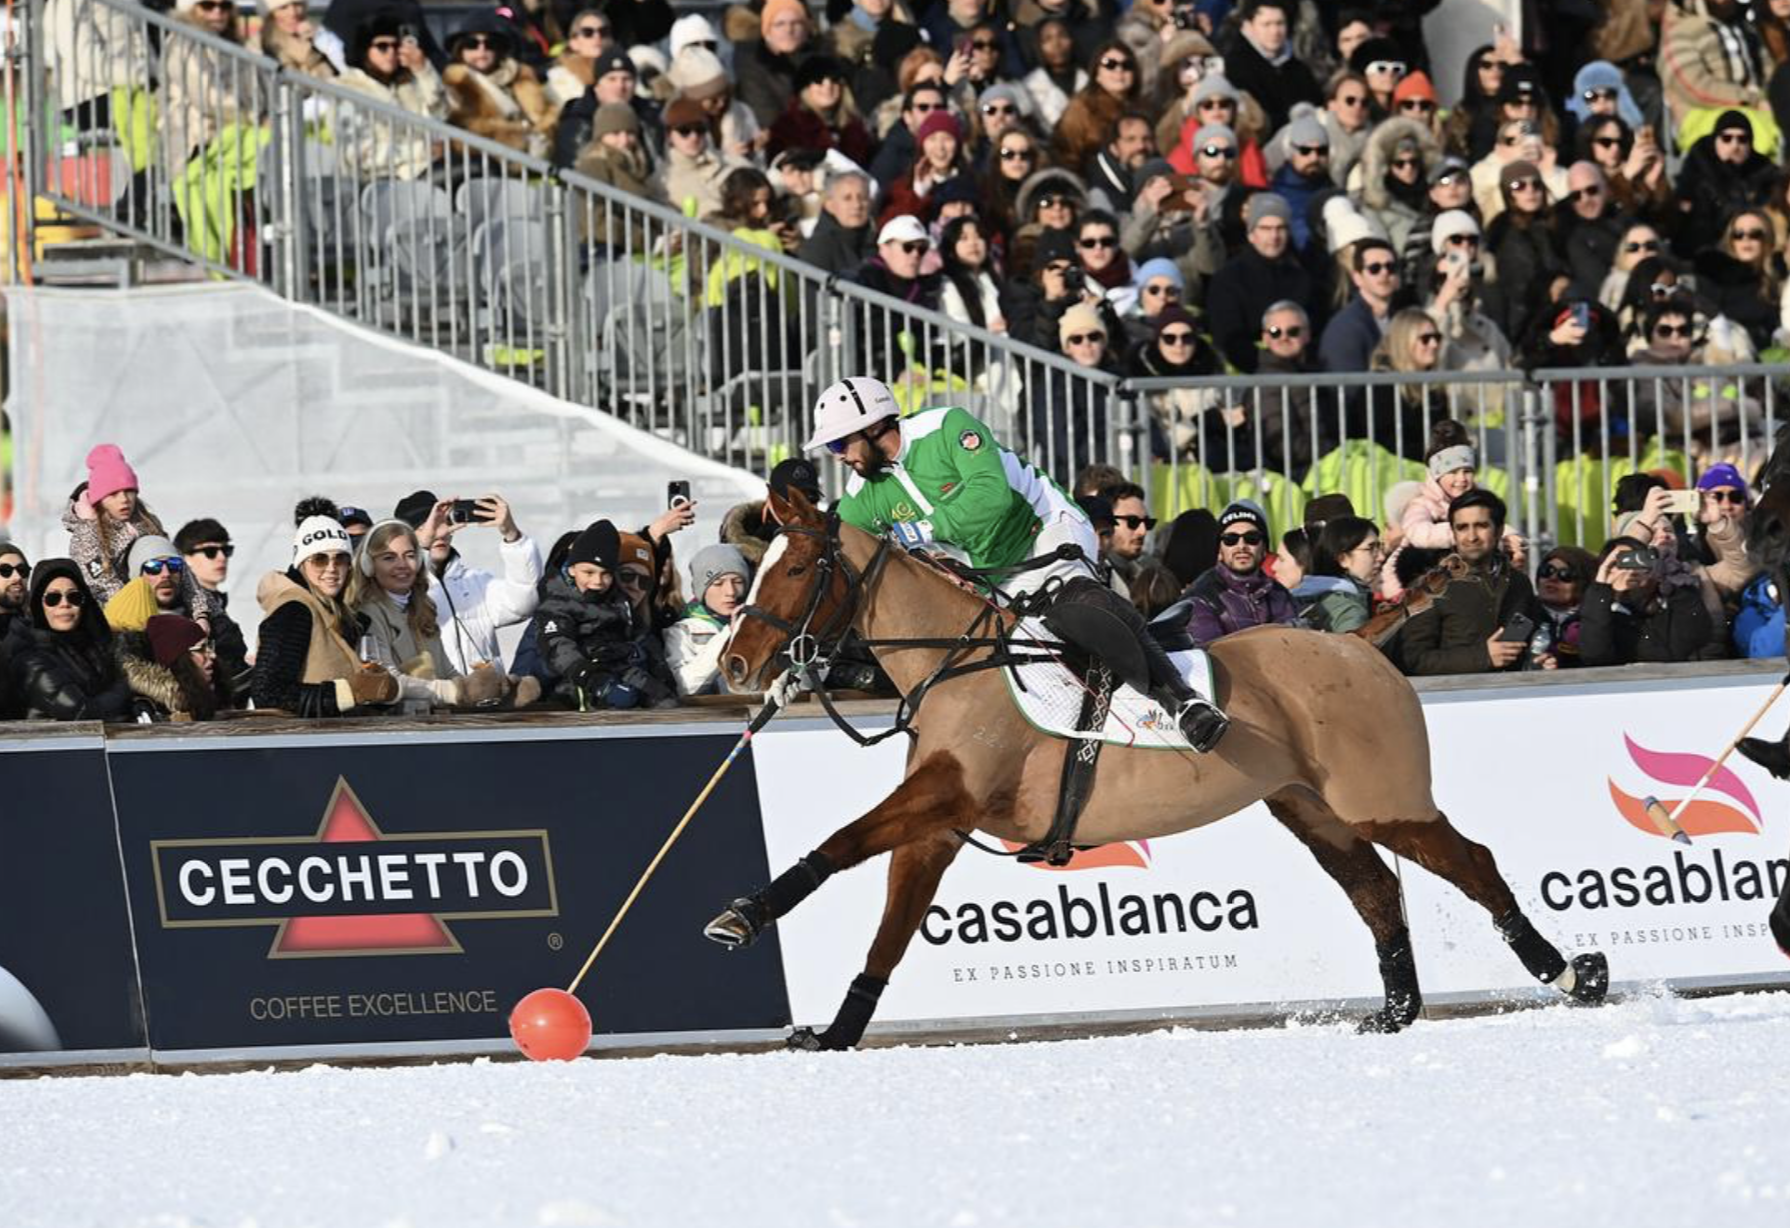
[806, 647]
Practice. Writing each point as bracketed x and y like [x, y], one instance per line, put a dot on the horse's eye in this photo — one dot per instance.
[797, 570]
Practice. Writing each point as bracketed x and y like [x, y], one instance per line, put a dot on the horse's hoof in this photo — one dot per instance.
[736, 926]
[1386, 1021]
[1591, 978]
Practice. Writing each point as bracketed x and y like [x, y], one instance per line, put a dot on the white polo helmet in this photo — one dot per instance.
[849, 406]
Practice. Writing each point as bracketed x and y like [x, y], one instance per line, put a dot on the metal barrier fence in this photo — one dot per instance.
[334, 195]
[331, 193]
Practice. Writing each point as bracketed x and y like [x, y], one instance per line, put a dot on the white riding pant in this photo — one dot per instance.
[1064, 527]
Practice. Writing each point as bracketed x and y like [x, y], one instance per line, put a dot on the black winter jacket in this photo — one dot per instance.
[63, 677]
[1241, 291]
[590, 641]
[284, 646]
[1671, 628]
[66, 675]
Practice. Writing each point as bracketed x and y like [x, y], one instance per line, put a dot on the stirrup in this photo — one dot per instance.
[1202, 724]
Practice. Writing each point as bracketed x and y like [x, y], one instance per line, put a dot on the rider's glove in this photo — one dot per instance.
[787, 686]
[911, 535]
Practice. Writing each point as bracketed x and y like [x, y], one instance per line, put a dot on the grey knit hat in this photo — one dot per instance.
[1265, 205]
[714, 561]
[148, 548]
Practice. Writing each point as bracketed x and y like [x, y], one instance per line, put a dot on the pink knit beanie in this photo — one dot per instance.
[108, 473]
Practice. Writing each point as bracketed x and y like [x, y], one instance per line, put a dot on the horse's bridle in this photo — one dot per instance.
[809, 649]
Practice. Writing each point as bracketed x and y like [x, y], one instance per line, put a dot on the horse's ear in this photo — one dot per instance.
[795, 508]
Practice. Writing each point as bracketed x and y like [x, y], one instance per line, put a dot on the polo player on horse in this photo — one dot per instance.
[939, 479]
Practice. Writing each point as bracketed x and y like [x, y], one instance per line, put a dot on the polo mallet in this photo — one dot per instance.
[1667, 822]
[552, 1024]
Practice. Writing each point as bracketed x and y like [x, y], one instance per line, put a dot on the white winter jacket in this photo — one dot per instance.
[693, 650]
[472, 604]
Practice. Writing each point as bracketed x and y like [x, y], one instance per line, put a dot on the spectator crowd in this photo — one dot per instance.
[1168, 188]
[383, 614]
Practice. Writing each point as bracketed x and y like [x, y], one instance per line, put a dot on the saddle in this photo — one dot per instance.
[1085, 700]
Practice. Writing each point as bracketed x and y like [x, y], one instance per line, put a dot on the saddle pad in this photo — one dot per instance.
[1050, 697]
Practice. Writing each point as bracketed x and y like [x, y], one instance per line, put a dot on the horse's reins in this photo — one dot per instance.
[813, 654]
[810, 650]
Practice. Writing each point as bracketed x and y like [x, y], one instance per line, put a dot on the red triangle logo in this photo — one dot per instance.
[346, 821]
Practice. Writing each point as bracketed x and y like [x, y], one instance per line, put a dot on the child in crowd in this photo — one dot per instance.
[586, 628]
[720, 576]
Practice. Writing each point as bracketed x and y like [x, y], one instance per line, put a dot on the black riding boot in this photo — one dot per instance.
[1774, 757]
[1109, 628]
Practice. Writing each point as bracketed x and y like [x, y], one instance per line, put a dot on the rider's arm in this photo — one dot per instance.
[983, 493]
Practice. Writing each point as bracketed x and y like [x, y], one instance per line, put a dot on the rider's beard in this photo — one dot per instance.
[874, 464]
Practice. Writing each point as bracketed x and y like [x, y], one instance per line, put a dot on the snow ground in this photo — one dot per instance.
[1657, 1111]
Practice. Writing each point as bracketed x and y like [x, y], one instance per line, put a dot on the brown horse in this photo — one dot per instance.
[1317, 720]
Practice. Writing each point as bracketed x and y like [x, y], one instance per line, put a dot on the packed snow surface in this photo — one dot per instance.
[1657, 1111]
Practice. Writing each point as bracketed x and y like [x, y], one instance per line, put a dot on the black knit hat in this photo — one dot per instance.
[414, 508]
[600, 543]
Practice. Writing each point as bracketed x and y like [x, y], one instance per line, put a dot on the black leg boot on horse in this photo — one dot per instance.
[1104, 625]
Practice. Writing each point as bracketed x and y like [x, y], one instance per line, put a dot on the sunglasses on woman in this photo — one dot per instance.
[1421, 105]
[54, 598]
[1114, 65]
[1093, 338]
[1641, 245]
[591, 32]
[1603, 95]
[1017, 155]
[1162, 288]
[1177, 338]
[1750, 236]
[1555, 571]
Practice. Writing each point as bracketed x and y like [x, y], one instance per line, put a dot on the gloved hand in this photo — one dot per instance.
[480, 688]
[653, 691]
[911, 535]
[618, 694]
[784, 689]
[372, 685]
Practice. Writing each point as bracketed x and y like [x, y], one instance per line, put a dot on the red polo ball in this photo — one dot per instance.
[550, 1025]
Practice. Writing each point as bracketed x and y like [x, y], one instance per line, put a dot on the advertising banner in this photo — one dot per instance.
[1555, 783]
[1235, 917]
[413, 889]
[68, 979]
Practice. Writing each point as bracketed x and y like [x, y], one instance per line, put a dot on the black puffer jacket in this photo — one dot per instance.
[595, 652]
[66, 675]
[11, 707]
[284, 645]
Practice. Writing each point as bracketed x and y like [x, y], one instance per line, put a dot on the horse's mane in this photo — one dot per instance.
[1417, 598]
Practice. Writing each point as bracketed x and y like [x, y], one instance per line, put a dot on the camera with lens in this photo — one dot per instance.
[1637, 558]
[1186, 17]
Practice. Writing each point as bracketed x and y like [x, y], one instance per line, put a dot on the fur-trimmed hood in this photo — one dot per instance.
[746, 529]
[179, 690]
[1381, 146]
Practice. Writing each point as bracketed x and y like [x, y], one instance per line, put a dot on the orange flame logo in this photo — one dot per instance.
[1706, 816]
[1131, 853]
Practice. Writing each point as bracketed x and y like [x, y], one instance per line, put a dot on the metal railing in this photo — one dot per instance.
[384, 214]
[330, 195]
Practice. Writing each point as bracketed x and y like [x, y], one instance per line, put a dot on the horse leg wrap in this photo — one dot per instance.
[740, 924]
[853, 1017]
[1541, 957]
[794, 885]
[1398, 972]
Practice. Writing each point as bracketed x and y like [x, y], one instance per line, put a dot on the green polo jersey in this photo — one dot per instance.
[953, 478]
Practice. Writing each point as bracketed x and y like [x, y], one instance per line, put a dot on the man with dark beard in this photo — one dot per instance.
[14, 574]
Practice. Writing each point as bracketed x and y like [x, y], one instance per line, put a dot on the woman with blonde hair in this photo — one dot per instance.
[1396, 416]
[390, 592]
